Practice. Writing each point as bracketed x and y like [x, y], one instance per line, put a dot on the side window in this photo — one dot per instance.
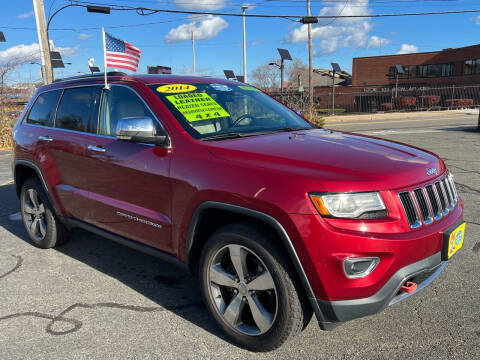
[78, 109]
[43, 111]
[120, 102]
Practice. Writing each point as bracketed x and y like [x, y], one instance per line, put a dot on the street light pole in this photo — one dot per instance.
[244, 7]
[333, 93]
[310, 59]
[282, 66]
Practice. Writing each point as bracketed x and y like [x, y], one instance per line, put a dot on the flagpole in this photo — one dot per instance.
[104, 58]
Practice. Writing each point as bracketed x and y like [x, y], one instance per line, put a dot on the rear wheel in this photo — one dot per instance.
[43, 227]
[249, 288]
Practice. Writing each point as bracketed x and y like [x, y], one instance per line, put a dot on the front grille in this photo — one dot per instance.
[409, 208]
[441, 196]
[431, 202]
[422, 205]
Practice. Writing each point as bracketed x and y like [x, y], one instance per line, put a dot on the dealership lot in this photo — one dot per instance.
[92, 298]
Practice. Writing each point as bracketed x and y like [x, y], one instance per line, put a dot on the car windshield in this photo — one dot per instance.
[219, 111]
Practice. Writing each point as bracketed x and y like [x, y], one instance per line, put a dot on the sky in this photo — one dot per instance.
[165, 39]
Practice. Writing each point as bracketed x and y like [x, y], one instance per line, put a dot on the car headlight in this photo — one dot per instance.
[366, 205]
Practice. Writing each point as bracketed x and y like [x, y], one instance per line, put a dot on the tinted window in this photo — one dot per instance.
[43, 111]
[78, 109]
[120, 102]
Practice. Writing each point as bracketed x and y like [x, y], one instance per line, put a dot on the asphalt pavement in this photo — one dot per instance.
[95, 299]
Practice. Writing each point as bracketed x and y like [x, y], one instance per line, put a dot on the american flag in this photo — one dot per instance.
[121, 54]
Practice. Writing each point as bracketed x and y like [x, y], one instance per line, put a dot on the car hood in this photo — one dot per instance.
[339, 161]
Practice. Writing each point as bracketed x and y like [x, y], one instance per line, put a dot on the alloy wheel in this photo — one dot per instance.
[243, 290]
[34, 215]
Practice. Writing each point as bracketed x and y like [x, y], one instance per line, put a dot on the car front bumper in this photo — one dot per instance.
[422, 272]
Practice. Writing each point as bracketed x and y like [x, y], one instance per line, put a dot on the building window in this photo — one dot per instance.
[471, 67]
[448, 69]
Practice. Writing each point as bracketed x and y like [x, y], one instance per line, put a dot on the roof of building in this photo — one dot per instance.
[417, 53]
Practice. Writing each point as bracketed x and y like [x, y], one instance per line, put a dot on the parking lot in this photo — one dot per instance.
[93, 298]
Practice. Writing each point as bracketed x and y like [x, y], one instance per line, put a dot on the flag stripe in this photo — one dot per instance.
[123, 55]
[122, 62]
[123, 67]
[122, 58]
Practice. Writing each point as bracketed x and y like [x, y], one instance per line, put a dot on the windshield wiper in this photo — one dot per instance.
[284, 129]
[224, 136]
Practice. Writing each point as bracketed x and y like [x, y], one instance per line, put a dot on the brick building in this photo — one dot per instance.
[455, 66]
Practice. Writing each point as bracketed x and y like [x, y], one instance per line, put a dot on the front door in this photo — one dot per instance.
[128, 183]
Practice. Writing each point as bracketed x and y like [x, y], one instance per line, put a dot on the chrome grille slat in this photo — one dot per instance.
[423, 205]
[410, 209]
[430, 202]
[432, 196]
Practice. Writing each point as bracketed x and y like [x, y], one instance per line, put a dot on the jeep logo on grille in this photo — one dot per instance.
[432, 171]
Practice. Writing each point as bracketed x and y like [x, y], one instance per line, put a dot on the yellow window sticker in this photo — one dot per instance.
[176, 88]
[243, 87]
[197, 106]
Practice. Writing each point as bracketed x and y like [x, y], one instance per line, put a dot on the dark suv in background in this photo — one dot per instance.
[279, 219]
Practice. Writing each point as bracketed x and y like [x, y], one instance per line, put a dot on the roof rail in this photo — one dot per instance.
[95, 75]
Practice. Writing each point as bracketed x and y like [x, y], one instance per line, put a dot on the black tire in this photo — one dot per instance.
[48, 231]
[292, 311]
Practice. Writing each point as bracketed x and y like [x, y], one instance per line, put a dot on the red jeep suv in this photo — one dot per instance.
[279, 218]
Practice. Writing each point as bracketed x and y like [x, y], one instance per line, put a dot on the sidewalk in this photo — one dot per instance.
[400, 115]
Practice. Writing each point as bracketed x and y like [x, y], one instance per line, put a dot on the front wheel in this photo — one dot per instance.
[249, 288]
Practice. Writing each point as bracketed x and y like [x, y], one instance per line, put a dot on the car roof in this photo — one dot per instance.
[147, 79]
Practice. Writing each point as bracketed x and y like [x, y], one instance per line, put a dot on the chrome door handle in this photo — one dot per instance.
[96, 148]
[45, 138]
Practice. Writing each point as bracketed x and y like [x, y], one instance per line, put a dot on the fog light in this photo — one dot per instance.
[355, 268]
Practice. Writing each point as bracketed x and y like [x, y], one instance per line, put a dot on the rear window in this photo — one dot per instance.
[206, 110]
[78, 109]
[43, 110]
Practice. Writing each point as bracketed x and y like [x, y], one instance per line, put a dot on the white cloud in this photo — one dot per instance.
[407, 49]
[201, 4]
[333, 34]
[376, 41]
[477, 20]
[26, 53]
[84, 36]
[206, 28]
[26, 15]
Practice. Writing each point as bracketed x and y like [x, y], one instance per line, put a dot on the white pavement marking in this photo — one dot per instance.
[15, 217]
[7, 183]
[391, 132]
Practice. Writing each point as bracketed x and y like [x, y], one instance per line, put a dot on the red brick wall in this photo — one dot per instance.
[369, 71]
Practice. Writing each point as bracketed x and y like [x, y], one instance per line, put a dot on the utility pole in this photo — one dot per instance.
[244, 7]
[47, 70]
[193, 50]
[310, 59]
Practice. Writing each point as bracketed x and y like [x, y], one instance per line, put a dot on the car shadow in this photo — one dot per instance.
[469, 129]
[165, 285]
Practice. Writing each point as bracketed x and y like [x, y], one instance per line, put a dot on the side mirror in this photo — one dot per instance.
[139, 129]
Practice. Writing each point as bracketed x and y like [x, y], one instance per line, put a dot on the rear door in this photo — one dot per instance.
[77, 115]
[128, 183]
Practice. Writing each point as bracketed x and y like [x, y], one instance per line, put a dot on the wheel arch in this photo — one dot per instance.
[195, 241]
[24, 170]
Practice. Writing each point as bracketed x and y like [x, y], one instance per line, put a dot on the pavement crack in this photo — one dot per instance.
[76, 324]
[15, 268]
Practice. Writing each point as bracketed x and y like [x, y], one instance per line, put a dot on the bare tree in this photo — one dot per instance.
[296, 69]
[266, 76]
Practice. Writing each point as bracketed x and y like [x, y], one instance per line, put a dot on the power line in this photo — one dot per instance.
[144, 11]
